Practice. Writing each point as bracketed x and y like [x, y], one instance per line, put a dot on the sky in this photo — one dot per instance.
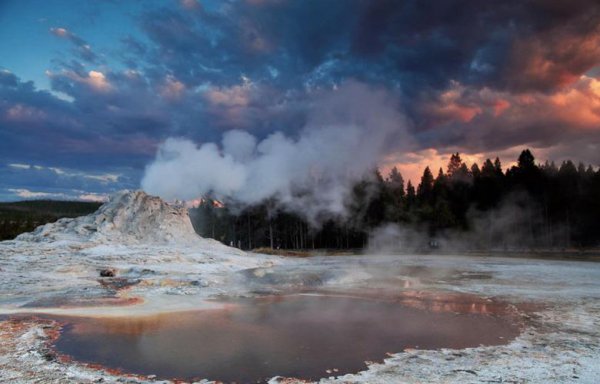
[90, 89]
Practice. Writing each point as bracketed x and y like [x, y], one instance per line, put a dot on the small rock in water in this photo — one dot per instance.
[108, 272]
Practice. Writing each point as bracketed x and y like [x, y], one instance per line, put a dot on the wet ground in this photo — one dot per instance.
[300, 336]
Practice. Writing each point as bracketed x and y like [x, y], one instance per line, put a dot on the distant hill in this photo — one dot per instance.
[24, 216]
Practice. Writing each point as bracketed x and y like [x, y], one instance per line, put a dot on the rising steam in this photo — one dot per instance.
[348, 132]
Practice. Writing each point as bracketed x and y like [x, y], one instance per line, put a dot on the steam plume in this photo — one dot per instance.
[348, 132]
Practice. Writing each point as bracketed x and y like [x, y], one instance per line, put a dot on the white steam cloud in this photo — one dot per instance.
[348, 132]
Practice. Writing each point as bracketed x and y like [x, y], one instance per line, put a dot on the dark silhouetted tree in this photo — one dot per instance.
[425, 188]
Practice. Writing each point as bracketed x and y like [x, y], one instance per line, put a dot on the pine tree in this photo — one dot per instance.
[498, 167]
[396, 182]
[440, 186]
[395, 204]
[454, 164]
[425, 188]
[526, 160]
[411, 195]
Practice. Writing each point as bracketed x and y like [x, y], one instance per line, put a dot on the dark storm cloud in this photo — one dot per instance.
[560, 40]
[29, 119]
[292, 38]
[412, 40]
[416, 48]
[287, 48]
[38, 126]
[486, 120]
[520, 45]
[477, 76]
[53, 148]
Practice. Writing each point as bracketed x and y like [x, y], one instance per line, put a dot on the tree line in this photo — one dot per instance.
[24, 216]
[527, 205]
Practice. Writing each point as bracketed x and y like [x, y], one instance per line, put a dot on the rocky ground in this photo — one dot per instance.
[151, 261]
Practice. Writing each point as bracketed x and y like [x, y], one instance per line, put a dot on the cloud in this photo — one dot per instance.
[234, 96]
[60, 32]
[194, 71]
[477, 120]
[34, 122]
[104, 178]
[25, 180]
[500, 120]
[563, 45]
[172, 89]
[451, 106]
[82, 48]
[8, 79]
[20, 166]
[414, 50]
[192, 5]
[95, 197]
[27, 194]
[23, 113]
[96, 81]
[236, 106]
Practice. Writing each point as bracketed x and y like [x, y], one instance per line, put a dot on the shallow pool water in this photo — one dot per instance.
[302, 336]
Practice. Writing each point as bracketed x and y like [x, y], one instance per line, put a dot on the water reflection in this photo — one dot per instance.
[296, 336]
[454, 303]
